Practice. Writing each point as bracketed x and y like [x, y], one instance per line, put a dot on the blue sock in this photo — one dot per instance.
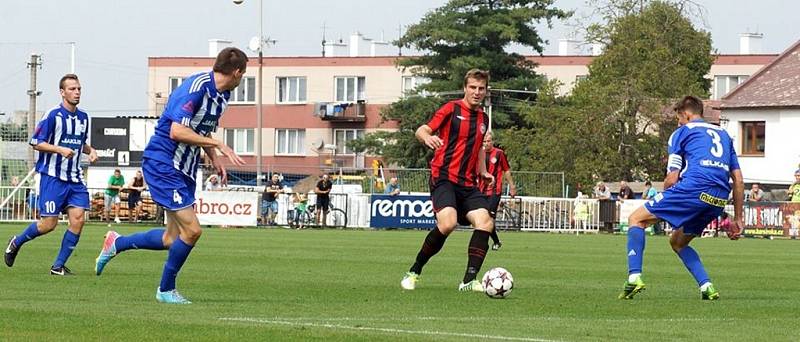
[177, 255]
[68, 243]
[28, 234]
[635, 249]
[150, 239]
[692, 261]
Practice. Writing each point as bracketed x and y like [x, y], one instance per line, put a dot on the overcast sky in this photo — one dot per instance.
[114, 38]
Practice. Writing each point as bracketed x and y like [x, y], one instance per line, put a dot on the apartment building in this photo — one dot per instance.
[312, 106]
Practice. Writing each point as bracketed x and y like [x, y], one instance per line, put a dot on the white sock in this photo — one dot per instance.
[705, 286]
[633, 277]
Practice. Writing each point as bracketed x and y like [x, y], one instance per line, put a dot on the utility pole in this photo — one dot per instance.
[34, 65]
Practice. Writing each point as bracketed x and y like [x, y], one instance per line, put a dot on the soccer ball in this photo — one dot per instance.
[497, 283]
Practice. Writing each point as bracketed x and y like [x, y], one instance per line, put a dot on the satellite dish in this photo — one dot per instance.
[318, 144]
[254, 44]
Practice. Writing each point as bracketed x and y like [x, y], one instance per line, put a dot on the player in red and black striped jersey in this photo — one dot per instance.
[497, 165]
[455, 133]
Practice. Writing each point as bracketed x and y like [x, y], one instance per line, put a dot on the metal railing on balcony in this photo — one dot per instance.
[342, 112]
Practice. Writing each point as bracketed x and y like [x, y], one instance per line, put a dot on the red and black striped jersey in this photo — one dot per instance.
[461, 130]
[497, 165]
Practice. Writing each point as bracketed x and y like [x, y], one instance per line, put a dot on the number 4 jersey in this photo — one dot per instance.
[704, 155]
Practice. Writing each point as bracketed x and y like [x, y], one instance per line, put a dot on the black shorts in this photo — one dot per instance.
[133, 199]
[323, 202]
[494, 203]
[462, 198]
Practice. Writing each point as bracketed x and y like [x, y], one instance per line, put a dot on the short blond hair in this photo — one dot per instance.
[477, 74]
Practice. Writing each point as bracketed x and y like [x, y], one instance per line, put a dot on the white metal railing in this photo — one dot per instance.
[563, 215]
[20, 204]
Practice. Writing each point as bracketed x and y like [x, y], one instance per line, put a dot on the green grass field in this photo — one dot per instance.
[337, 285]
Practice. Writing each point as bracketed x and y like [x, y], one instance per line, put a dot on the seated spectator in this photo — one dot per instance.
[649, 191]
[794, 190]
[212, 184]
[300, 202]
[756, 194]
[721, 225]
[601, 191]
[625, 191]
[393, 188]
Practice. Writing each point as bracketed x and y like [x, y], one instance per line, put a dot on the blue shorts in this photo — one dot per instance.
[56, 195]
[269, 205]
[169, 187]
[690, 209]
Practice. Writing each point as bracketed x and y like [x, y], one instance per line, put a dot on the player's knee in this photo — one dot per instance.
[192, 234]
[47, 224]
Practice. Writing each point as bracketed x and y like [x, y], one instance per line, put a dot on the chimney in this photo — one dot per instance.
[379, 47]
[568, 47]
[359, 45]
[217, 45]
[597, 49]
[336, 48]
[750, 43]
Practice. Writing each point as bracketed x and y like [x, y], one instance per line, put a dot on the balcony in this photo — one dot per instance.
[341, 112]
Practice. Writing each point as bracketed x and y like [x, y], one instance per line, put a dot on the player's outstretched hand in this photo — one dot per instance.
[433, 142]
[228, 152]
[736, 229]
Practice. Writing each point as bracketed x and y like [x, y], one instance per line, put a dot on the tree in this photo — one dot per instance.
[461, 35]
[616, 123]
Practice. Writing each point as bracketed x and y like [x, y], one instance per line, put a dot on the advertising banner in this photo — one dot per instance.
[231, 208]
[772, 219]
[401, 212]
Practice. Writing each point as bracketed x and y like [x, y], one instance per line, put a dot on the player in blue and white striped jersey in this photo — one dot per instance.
[170, 165]
[60, 137]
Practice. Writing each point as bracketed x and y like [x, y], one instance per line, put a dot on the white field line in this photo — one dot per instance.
[385, 330]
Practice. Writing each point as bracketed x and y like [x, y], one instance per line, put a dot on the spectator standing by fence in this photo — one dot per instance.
[111, 196]
[269, 199]
[323, 190]
[135, 188]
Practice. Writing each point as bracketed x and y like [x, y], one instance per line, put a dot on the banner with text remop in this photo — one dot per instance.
[402, 212]
[230, 208]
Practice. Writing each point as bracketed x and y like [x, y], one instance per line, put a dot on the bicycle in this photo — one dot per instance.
[335, 218]
[511, 218]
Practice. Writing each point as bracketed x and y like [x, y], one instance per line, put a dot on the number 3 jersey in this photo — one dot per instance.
[704, 155]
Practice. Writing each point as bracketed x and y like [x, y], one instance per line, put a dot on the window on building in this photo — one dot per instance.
[174, 83]
[246, 91]
[343, 136]
[291, 89]
[241, 140]
[350, 89]
[410, 83]
[723, 84]
[290, 141]
[753, 138]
